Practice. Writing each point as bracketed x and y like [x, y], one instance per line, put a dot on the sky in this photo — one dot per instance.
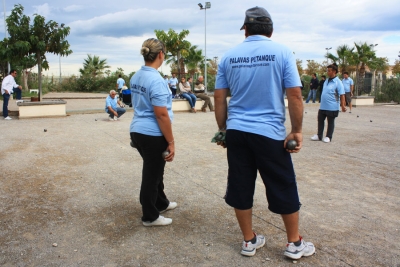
[115, 30]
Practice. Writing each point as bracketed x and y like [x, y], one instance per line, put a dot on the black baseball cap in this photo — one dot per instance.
[257, 15]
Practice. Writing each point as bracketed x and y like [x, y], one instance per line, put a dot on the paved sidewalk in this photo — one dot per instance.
[77, 185]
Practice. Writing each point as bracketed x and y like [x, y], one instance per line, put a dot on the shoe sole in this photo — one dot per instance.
[147, 224]
[299, 255]
[253, 252]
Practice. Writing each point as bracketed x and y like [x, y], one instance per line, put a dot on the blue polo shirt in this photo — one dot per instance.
[120, 83]
[257, 72]
[111, 102]
[330, 98]
[148, 89]
[347, 83]
[173, 82]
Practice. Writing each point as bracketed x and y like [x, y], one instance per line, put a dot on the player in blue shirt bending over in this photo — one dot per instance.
[257, 73]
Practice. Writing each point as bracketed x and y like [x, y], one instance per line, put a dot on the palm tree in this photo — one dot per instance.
[176, 45]
[193, 60]
[362, 57]
[342, 59]
[94, 66]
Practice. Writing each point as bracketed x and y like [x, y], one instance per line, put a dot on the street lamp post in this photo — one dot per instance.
[59, 56]
[327, 49]
[207, 6]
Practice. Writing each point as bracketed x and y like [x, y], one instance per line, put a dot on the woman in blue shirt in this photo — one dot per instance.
[151, 132]
[332, 96]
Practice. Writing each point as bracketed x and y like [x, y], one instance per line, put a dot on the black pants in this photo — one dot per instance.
[330, 116]
[152, 196]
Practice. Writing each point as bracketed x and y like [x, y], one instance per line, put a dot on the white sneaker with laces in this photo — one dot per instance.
[296, 252]
[326, 140]
[161, 221]
[249, 249]
[315, 137]
[8, 118]
[171, 206]
[19, 101]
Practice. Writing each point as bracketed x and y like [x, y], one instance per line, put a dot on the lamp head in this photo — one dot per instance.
[200, 5]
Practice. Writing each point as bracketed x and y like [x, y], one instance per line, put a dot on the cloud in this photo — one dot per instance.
[73, 8]
[132, 22]
[43, 10]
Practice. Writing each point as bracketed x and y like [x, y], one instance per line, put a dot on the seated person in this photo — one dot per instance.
[112, 103]
[199, 91]
[186, 92]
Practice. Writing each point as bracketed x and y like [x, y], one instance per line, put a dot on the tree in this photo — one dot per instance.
[193, 59]
[35, 40]
[363, 56]
[94, 66]
[313, 67]
[176, 45]
[299, 66]
[396, 67]
[343, 58]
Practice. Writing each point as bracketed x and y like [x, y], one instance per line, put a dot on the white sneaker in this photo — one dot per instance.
[249, 249]
[8, 118]
[296, 252]
[19, 101]
[171, 206]
[115, 118]
[315, 137]
[161, 221]
[326, 140]
[111, 119]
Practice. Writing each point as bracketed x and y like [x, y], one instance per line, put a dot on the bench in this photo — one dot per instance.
[34, 90]
[183, 104]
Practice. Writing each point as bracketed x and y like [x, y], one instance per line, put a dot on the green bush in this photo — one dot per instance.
[389, 91]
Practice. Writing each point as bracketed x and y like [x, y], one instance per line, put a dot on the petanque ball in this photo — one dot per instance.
[291, 144]
[45, 130]
[164, 154]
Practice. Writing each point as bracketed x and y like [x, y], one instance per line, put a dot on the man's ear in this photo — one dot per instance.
[245, 31]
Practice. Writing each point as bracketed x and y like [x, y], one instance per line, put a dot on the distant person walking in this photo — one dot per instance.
[313, 88]
[8, 86]
[119, 85]
[348, 85]
[151, 132]
[332, 99]
[256, 74]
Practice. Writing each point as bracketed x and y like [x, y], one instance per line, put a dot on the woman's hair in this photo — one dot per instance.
[151, 48]
[333, 67]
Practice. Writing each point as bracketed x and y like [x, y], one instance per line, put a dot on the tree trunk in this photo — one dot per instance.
[25, 76]
[362, 77]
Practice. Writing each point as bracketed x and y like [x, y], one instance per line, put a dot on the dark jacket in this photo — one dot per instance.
[321, 85]
[314, 83]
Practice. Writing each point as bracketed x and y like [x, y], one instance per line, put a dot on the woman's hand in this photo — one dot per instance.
[171, 150]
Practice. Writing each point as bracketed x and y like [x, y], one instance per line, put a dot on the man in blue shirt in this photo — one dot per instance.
[332, 96]
[257, 73]
[348, 85]
[119, 85]
[173, 82]
[114, 107]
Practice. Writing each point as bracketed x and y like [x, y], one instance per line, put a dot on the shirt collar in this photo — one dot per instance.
[252, 38]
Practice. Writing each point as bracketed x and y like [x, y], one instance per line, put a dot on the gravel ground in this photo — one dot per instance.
[69, 196]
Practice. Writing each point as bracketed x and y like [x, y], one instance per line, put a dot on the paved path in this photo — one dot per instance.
[77, 185]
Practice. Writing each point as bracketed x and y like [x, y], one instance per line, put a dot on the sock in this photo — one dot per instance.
[297, 243]
[253, 241]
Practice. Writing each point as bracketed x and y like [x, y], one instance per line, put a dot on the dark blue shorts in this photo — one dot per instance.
[247, 153]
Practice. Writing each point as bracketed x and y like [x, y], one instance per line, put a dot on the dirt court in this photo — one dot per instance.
[69, 196]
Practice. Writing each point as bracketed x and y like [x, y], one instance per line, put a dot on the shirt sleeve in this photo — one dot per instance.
[221, 81]
[159, 94]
